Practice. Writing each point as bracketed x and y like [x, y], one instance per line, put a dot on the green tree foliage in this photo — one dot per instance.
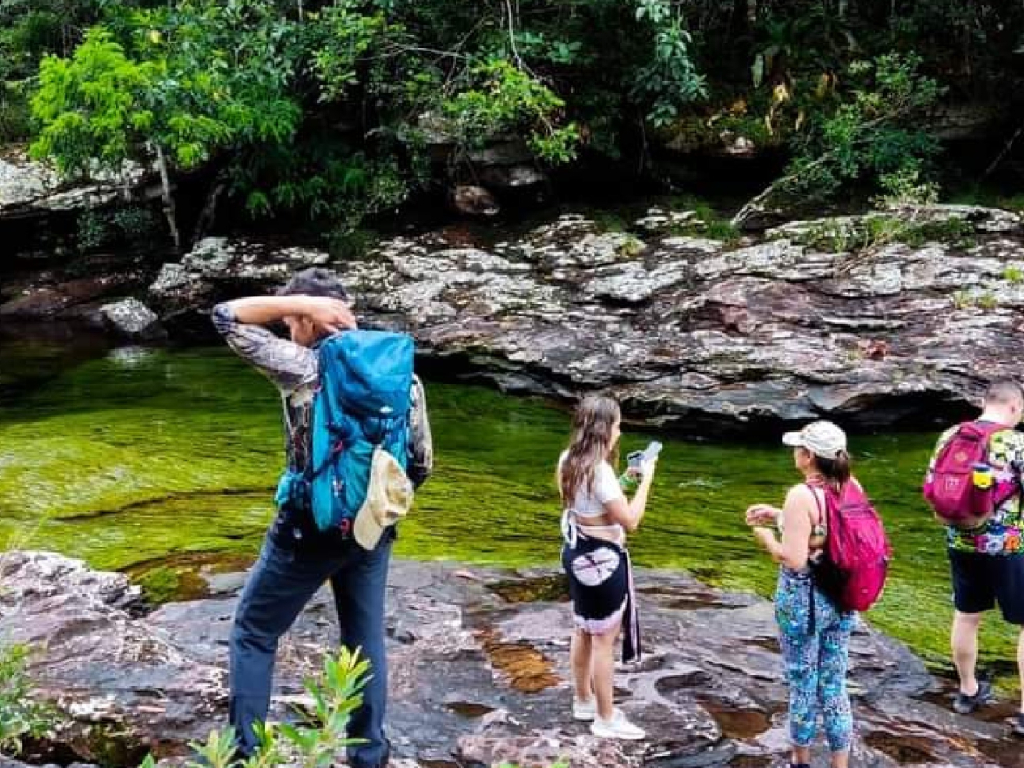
[871, 136]
[874, 133]
[92, 106]
[29, 29]
[332, 109]
[183, 87]
[185, 82]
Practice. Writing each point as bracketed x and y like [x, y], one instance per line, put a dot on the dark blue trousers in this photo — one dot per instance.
[280, 585]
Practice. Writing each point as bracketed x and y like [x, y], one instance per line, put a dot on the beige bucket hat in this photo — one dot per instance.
[388, 498]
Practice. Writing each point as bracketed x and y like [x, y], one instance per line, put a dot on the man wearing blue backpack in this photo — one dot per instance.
[358, 443]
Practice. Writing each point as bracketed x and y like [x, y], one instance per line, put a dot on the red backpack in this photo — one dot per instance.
[950, 487]
[857, 551]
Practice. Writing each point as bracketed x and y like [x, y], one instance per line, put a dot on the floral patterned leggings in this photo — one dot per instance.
[815, 645]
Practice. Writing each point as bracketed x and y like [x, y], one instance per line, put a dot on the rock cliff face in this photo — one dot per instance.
[479, 673]
[31, 188]
[836, 317]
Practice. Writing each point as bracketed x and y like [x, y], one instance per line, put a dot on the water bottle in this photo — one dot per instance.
[981, 475]
[652, 451]
[634, 462]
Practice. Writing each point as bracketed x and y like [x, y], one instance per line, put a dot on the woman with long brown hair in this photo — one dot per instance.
[594, 523]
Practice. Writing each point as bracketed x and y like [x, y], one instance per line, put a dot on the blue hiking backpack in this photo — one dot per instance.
[364, 400]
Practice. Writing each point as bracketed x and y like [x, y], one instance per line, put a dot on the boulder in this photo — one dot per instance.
[132, 319]
[474, 200]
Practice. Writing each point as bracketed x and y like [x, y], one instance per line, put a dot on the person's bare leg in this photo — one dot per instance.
[603, 670]
[580, 653]
[964, 642]
[1020, 666]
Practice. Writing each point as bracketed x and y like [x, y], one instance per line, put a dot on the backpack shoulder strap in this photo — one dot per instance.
[981, 428]
[990, 428]
[976, 431]
[820, 502]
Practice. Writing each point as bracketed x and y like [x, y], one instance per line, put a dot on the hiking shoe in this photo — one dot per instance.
[965, 705]
[616, 727]
[584, 711]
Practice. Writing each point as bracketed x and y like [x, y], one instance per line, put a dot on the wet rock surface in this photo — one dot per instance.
[73, 289]
[478, 673]
[685, 330]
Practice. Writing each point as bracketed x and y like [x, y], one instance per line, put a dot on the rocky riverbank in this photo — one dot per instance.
[478, 673]
[876, 320]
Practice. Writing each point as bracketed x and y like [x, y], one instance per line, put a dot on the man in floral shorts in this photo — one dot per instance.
[987, 562]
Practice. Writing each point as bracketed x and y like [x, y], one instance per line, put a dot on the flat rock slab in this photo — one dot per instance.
[682, 329]
[478, 673]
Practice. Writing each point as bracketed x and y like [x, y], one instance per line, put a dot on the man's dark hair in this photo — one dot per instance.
[315, 281]
[1004, 391]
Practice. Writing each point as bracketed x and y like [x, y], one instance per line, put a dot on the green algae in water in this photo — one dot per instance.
[138, 459]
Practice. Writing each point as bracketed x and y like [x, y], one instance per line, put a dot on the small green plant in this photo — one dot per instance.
[846, 236]
[1013, 275]
[707, 222]
[880, 230]
[347, 243]
[20, 714]
[134, 223]
[701, 208]
[93, 230]
[721, 230]
[877, 230]
[829, 236]
[955, 231]
[631, 247]
[905, 187]
[987, 300]
[336, 693]
[100, 228]
[968, 299]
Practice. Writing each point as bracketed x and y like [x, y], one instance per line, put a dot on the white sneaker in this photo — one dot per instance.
[617, 727]
[584, 711]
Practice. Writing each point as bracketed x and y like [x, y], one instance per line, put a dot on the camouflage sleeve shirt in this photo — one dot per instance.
[1003, 533]
[293, 368]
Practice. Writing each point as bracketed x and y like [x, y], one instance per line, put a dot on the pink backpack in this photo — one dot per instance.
[857, 551]
[950, 487]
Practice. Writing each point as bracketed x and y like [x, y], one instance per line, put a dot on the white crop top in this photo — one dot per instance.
[589, 502]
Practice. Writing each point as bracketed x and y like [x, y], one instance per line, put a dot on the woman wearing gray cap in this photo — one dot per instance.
[815, 634]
